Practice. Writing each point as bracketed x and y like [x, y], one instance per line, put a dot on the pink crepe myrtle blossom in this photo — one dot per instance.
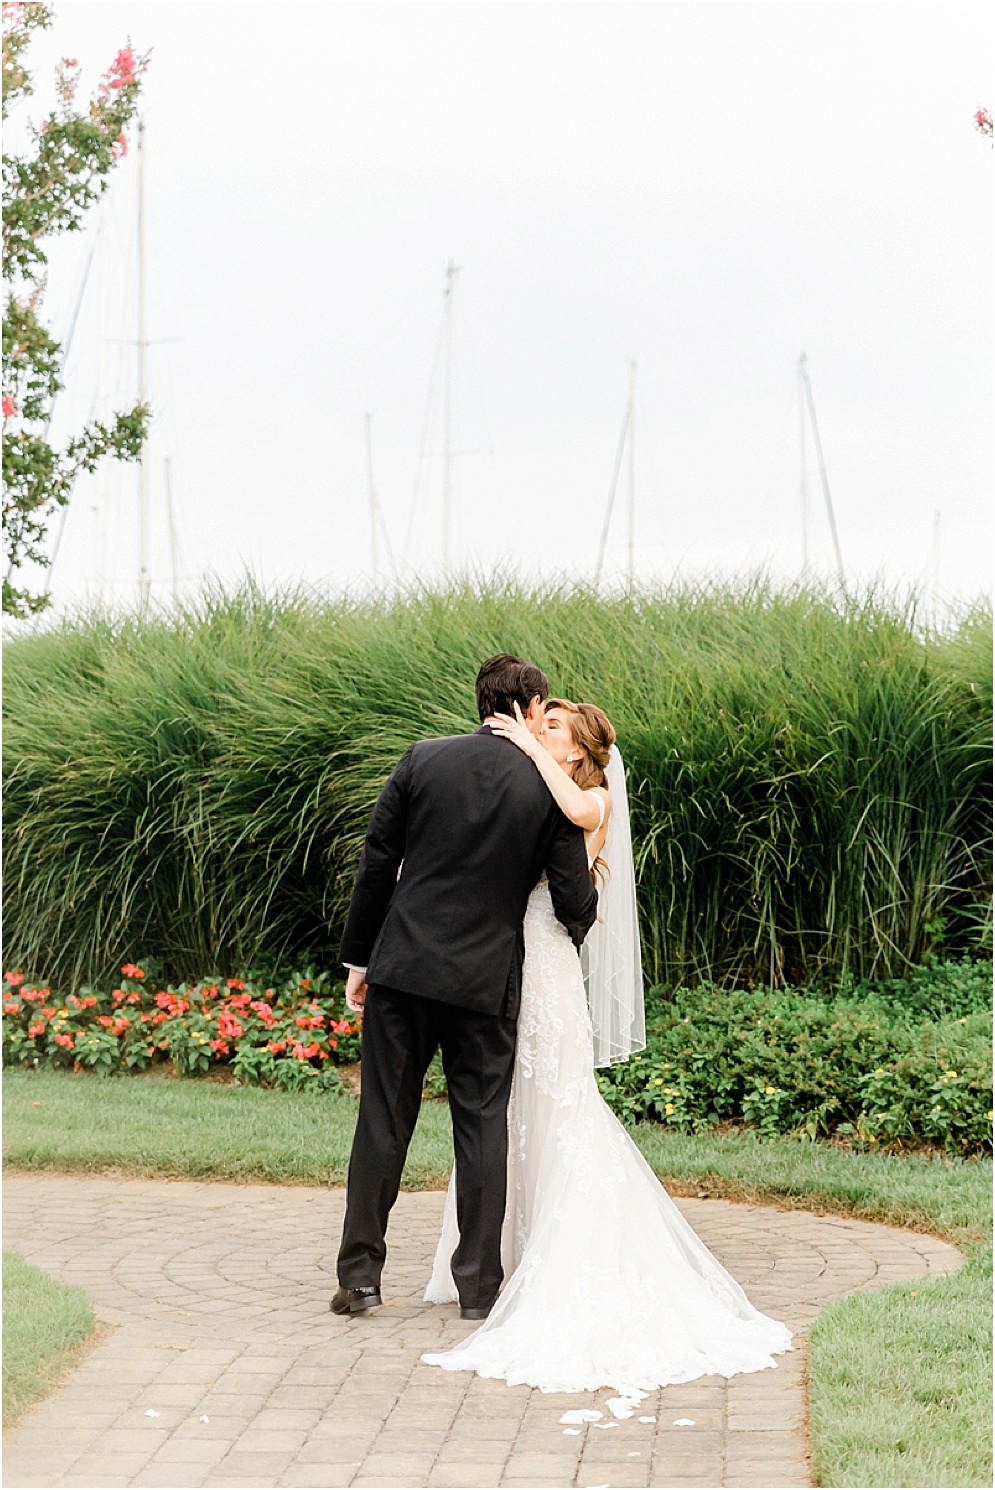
[9, 407]
[121, 72]
[120, 146]
[983, 121]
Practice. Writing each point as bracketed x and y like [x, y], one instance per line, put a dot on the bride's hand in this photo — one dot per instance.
[517, 731]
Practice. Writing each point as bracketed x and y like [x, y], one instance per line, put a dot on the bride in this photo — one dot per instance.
[607, 1284]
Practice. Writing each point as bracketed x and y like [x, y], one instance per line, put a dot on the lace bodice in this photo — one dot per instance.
[551, 1027]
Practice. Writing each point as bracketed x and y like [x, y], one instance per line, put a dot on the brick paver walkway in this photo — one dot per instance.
[225, 1367]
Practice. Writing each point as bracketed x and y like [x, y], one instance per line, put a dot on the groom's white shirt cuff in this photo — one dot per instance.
[353, 968]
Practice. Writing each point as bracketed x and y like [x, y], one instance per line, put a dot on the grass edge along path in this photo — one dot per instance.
[899, 1377]
[202, 1130]
[47, 1327]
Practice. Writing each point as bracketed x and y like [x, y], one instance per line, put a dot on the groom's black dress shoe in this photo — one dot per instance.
[465, 1313]
[355, 1300]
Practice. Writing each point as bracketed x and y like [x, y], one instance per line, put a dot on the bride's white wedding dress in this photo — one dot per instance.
[606, 1284]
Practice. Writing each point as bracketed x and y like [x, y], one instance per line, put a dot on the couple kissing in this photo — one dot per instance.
[494, 917]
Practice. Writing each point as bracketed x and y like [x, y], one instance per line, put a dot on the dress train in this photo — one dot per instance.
[606, 1283]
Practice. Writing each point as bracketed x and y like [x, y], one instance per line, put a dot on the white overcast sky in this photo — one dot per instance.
[706, 188]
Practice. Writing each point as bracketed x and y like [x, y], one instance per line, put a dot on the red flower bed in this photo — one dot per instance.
[291, 1035]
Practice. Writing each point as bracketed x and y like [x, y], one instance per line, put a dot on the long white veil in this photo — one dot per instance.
[610, 956]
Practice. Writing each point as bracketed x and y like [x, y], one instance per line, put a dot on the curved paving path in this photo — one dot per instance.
[225, 1367]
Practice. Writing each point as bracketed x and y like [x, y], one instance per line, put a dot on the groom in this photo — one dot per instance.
[435, 953]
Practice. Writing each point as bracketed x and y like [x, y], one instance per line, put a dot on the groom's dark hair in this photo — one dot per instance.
[504, 680]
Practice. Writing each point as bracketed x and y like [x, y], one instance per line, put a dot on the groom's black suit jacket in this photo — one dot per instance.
[475, 826]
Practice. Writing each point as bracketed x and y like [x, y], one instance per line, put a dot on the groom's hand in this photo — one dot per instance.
[355, 991]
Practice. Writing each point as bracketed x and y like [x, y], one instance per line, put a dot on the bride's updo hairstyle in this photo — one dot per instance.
[593, 732]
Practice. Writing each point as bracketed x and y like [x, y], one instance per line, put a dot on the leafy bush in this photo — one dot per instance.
[289, 1036]
[809, 774]
[940, 989]
[790, 1062]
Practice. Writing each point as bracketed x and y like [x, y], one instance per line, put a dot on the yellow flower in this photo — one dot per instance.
[658, 1081]
[879, 1071]
[770, 1090]
[668, 1108]
[952, 1075]
[990, 1116]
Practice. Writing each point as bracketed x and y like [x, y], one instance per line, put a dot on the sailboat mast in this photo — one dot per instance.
[626, 437]
[803, 485]
[933, 564]
[144, 576]
[371, 498]
[631, 419]
[447, 458]
[173, 562]
[823, 474]
[610, 505]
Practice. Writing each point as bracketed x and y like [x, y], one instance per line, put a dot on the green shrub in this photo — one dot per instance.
[810, 775]
[942, 989]
[789, 1062]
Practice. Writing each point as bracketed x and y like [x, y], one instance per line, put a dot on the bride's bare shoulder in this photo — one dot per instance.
[605, 795]
[604, 799]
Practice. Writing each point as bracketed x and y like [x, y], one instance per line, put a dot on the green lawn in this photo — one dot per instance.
[900, 1383]
[204, 1130]
[45, 1324]
[150, 1125]
[899, 1378]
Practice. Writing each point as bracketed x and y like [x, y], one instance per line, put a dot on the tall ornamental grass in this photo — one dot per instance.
[809, 776]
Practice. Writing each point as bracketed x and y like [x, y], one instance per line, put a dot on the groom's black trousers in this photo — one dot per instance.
[401, 1033]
